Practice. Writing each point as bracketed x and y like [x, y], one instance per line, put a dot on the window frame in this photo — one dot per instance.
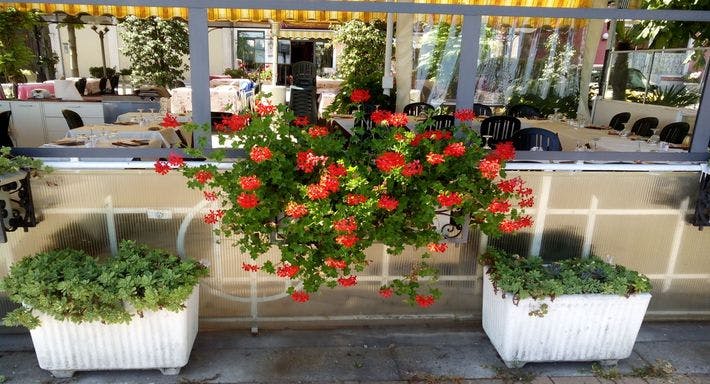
[472, 15]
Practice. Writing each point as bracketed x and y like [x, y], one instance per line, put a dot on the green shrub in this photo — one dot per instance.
[68, 284]
[531, 277]
[98, 72]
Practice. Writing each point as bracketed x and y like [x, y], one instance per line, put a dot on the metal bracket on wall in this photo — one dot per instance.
[16, 205]
[702, 205]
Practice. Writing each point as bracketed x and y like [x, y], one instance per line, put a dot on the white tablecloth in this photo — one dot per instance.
[151, 118]
[121, 132]
[221, 97]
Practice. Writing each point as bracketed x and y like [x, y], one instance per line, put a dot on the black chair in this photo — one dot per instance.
[73, 119]
[113, 80]
[644, 126]
[499, 128]
[5, 140]
[674, 133]
[617, 121]
[304, 74]
[528, 138]
[482, 110]
[303, 101]
[524, 111]
[442, 122]
[183, 141]
[81, 85]
[416, 109]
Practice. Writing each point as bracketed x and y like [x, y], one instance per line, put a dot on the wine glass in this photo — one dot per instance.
[486, 140]
[556, 115]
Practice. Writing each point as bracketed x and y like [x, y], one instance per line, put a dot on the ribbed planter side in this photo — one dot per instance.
[575, 328]
[161, 339]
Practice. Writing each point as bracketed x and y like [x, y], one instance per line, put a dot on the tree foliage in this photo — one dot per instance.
[14, 52]
[156, 48]
[361, 64]
[674, 34]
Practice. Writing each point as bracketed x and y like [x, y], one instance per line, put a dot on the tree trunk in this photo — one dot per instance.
[73, 57]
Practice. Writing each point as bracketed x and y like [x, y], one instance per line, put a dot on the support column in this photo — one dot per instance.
[199, 68]
[591, 43]
[403, 58]
[468, 61]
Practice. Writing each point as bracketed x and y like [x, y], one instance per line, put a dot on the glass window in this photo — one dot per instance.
[251, 49]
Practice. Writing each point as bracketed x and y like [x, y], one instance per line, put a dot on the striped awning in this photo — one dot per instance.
[306, 34]
[297, 16]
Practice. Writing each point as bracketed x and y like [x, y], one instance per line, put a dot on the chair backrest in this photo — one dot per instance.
[416, 109]
[528, 138]
[499, 128]
[617, 121]
[674, 133]
[442, 122]
[5, 139]
[644, 126]
[524, 111]
[81, 85]
[304, 73]
[73, 119]
[303, 102]
[102, 84]
[482, 110]
[113, 80]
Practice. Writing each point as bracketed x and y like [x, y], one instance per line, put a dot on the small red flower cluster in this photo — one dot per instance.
[296, 210]
[437, 247]
[288, 270]
[464, 115]
[360, 96]
[260, 154]
[213, 216]
[449, 199]
[389, 161]
[169, 121]
[387, 203]
[232, 123]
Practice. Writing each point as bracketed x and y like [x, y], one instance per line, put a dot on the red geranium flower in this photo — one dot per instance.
[210, 196]
[287, 270]
[250, 267]
[247, 200]
[437, 247]
[170, 121]
[249, 183]
[386, 292]
[424, 301]
[504, 151]
[260, 154]
[337, 170]
[347, 281]
[389, 161]
[346, 225]
[317, 192]
[265, 109]
[387, 203]
[360, 95]
[203, 176]
[175, 160]
[355, 199]
[527, 203]
[317, 131]
[213, 216]
[232, 123]
[498, 206]
[162, 167]
[509, 185]
[330, 183]
[379, 116]
[296, 210]
[301, 121]
[448, 199]
[464, 115]
[412, 169]
[308, 160]
[398, 120]
[337, 264]
[489, 168]
[508, 226]
[455, 149]
[347, 240]
[300, 296]
[434, 158]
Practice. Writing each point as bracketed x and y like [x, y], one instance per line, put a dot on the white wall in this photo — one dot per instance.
[88, 50]
[605, 109]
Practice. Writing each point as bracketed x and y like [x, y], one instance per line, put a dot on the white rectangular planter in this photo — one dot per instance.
[161, 339]
[575, 328]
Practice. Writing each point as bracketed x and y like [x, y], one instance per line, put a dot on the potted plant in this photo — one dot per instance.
[323, 196]
[571, 310]
[15, 191]
[137, 310]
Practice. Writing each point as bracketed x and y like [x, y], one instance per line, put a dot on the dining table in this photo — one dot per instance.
[150, 117]
[118, 135]
[574, 136]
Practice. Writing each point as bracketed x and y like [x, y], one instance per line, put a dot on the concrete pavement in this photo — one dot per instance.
[416, 353]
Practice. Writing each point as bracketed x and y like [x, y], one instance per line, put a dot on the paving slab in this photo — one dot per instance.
[575, 380]
[688, 357]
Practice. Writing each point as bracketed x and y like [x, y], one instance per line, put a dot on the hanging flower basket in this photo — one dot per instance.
[328, 195]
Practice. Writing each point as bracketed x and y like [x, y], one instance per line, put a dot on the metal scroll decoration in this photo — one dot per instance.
[452, 231]
[16, 206]
[702, 205]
